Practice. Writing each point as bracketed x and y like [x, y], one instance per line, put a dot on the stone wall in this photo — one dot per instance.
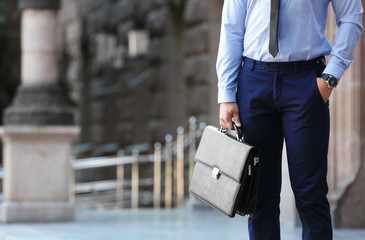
[150, 95]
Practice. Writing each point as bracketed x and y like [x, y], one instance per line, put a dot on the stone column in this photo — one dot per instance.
[39, 100]
[38, 132]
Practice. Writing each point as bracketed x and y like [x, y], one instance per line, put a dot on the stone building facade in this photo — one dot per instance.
[138, 99]
[126, 99]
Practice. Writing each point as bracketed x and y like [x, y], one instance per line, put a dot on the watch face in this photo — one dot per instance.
[332, 82]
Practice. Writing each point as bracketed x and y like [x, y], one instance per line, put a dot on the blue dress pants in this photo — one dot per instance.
[280, 101]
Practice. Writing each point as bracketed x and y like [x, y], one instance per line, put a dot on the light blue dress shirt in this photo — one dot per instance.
[245, 32]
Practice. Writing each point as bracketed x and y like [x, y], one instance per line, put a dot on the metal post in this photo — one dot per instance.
[120, 181]
[157, 176]
[71, 181]
[180, 167]
[168, 171]
[135, 180]
[192, 146]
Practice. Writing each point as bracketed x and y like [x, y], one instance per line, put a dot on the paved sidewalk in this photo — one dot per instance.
[148, 224]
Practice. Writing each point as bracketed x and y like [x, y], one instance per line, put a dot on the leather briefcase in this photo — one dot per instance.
[226, 172]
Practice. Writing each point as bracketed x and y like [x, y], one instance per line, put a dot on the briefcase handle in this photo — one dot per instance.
[239, 133]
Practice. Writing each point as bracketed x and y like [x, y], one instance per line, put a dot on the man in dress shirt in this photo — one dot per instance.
[282, 92]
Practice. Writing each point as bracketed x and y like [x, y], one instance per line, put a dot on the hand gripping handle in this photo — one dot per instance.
[239, 133]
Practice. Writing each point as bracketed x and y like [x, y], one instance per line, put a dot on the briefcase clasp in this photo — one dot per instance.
[215, 173]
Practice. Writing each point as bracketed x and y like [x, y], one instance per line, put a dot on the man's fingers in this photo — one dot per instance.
[236, 119]
[226, 123]
[229, 124]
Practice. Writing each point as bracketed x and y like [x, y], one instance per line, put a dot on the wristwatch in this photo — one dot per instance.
[331, 81]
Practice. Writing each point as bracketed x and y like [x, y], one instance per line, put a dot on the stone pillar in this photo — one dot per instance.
[39, 100]
[38, 130]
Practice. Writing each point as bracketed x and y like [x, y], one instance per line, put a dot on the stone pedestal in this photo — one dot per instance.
[36, 173]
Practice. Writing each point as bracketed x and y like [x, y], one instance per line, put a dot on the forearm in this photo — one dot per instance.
[227, 70]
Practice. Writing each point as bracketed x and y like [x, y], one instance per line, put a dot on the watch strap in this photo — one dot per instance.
[326, 77]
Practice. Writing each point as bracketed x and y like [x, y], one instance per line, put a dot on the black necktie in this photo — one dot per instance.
[274, 22]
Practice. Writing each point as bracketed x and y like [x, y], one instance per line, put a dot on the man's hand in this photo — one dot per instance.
[227, 111]
[324, 89]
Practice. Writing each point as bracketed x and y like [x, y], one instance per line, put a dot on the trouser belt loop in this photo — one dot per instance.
[253, 65]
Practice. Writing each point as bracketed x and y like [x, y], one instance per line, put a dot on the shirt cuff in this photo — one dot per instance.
[226, 95]
[335, 67]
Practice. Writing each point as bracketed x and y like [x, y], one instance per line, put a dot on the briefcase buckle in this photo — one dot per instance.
[215, 173]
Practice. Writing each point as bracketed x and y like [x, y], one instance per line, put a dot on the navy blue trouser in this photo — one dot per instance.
[281, 101]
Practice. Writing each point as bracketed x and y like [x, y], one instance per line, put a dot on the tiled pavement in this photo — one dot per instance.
[148, 224]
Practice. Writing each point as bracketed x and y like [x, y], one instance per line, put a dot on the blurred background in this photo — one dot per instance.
[10, 48]
[136, 70]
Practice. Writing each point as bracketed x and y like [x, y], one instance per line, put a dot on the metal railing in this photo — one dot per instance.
[169, 185]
